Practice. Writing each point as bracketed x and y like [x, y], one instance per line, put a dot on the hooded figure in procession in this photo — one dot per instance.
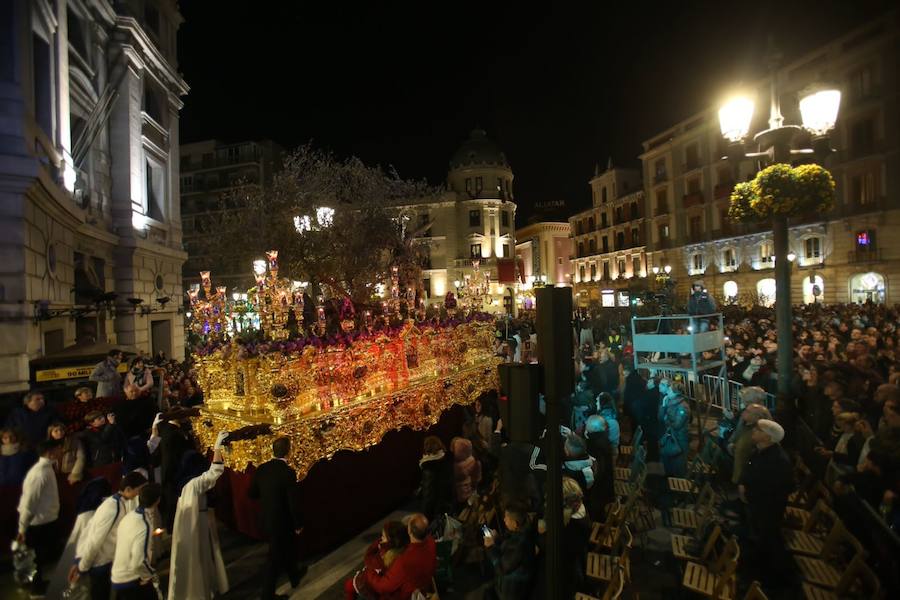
[197, 569]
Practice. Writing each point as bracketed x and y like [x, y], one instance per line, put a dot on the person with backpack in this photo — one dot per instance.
[97, 546]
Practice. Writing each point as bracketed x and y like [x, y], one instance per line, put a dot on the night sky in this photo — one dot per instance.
[559, 87]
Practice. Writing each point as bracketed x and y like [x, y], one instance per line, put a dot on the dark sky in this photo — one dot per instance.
[559, 86]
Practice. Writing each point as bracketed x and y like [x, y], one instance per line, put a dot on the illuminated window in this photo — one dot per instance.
[697, 262]
[593, 272]
[865, 239]
[474, 218]
[730, 289]
[621, 267]
[765, 289]
[813, 248]
[608, 298]
[475, 250]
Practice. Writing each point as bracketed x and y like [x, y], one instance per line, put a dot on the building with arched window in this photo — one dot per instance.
[89, 177]
[852, 253]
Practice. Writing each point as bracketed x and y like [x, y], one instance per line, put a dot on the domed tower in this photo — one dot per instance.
[481, 181]
[479, 169]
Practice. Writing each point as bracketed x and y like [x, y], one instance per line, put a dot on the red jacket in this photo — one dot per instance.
[411, 571]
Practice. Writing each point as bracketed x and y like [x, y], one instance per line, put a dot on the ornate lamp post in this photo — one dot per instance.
[818, 110]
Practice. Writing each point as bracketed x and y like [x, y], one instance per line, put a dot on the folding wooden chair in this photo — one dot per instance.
[601, 567]
[797, 516]
[826, 571]
[638, 462]
[754, 592]
[623, 488]
[857, 581]
[637, 440]
[689, 517]
[613, 590]
[681, 545]
[716, 579]
[811, 539]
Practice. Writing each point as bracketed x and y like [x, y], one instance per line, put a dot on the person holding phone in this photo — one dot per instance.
[512, 554]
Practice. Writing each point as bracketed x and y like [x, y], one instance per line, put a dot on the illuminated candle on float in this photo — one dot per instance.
[272, 256]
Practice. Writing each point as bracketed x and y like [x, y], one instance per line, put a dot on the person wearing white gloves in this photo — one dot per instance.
[197, 571]
[97, 545]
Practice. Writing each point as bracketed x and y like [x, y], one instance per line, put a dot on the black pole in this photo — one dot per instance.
[555, 352]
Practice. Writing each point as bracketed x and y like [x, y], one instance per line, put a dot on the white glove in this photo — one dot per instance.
[220, 440]
[156, 420]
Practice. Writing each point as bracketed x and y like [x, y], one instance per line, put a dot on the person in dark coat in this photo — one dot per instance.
[103, 440]
[634, 390]
[173, 444]
[274, 484]
[765, 484]
[512, 555]
[609, 373]
[436, 486]
[32, 418]
[14, 459]
[599, 447]
[649, 421]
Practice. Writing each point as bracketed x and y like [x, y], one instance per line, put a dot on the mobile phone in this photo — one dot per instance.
[486, 531]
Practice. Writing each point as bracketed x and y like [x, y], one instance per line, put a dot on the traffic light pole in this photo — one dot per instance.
[555, 353]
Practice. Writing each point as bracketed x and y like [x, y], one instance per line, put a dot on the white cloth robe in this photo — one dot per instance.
[60, 579]
[196, 567]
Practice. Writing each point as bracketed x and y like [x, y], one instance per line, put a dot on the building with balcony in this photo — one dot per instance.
[848, 255]
[609, 239]
[474, 220]
[543, 252]
[89, 201]
[211, 174]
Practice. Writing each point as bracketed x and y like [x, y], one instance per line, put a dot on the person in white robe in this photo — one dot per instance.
[197, 571]
[90, 498]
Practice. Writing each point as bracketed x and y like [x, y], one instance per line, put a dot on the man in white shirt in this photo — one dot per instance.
[97, 545]
[38, 511]
[132, 571]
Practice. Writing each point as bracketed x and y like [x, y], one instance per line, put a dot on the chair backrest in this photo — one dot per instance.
[706, 498]
[709, 546]
[819, 516]
[616, 584]
[637, 439]
[858, 580]
[725, 567]
[839, 539]
[754, 592]
[638, 463]
[626, 542]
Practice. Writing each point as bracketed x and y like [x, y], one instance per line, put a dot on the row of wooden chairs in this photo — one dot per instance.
[831, 560]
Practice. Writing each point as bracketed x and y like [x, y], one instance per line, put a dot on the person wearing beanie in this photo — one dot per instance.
[766, 481]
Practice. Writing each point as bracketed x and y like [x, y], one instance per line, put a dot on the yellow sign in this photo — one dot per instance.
[79, 372]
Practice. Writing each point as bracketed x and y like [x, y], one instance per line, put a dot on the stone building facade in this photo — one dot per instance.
[849, 255]
[473, 220]
[89, 199]
[211, 171]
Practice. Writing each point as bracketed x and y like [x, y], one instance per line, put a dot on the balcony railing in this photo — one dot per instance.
[693, 199]
[864, 256]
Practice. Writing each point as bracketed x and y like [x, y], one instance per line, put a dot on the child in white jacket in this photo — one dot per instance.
[97, 545]
[132, 571]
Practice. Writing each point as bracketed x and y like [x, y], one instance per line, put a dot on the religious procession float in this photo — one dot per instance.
[326, 385]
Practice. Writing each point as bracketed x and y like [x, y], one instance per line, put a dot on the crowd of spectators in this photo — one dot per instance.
[59, 454]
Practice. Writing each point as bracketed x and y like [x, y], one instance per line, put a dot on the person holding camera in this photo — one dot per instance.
[700, 303]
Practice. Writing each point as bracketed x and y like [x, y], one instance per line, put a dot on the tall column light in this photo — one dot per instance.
[819, 110]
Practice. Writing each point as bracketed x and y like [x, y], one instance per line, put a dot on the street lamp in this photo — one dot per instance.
[818, 110]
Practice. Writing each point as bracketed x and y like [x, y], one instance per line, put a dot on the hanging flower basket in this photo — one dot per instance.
[782, 191]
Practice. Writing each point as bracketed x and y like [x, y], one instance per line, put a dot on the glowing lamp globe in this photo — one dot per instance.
[819, 111]
[735, 117]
